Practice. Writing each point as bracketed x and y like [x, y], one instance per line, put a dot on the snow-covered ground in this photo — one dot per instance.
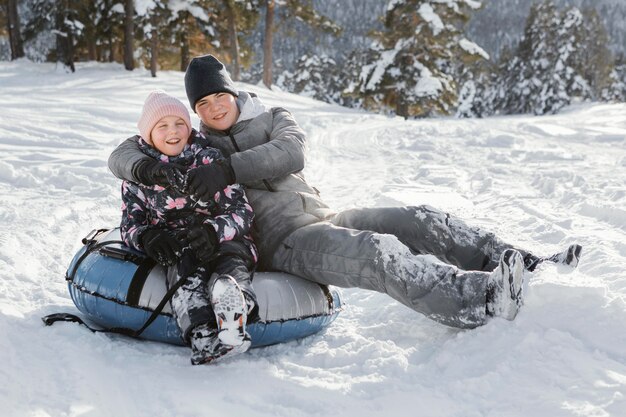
[541, 183]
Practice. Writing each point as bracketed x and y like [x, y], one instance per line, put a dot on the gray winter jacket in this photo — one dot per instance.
[266, 148]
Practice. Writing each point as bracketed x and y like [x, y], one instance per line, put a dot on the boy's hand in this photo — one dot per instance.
[202, 239]
[203, 182]
[161, 246]
[152, 172]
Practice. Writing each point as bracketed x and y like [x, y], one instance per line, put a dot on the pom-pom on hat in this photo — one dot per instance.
[158, 105]
[206, 75]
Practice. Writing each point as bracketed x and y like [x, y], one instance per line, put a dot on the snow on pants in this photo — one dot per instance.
[426, 230]
[191, 302]
[399, 251]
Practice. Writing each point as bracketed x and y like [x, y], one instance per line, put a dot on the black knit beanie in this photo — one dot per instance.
[206, 75]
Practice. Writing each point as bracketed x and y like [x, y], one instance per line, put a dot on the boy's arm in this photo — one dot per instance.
[282, 155]
[134, 215]
[124, 159]
[234, 214]
[129, 163]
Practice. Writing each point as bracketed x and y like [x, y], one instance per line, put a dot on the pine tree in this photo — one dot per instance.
[562, 56]
[234, 21]
[594, 60]
[315, 76]
[534, 79]
[416, 56]
[302, 10]
[152, 21]
[616, 86]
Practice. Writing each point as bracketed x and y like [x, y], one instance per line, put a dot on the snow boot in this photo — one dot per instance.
[570, 257]
[504, 287]
[206, 347]
[230, 308]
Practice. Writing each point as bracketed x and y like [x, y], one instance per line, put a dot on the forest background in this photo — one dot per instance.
[413, 58]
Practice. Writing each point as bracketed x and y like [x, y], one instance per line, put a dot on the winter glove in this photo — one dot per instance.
[206, 180]
[152, 172]
[202, 239]
[161, 245]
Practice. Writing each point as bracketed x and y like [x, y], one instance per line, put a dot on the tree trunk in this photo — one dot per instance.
[184, 45]
[234, 43]
[129, 31]
[64, 37]
[90, 38]
[111, 46]
[268, 42]
[154, 46]
[13, 26]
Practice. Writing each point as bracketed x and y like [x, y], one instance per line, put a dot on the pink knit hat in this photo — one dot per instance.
[158, 105]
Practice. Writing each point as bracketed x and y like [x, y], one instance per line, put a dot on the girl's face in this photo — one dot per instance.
[170, 135]
[218, 111]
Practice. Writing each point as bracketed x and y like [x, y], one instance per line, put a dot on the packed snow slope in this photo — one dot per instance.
[539, 182]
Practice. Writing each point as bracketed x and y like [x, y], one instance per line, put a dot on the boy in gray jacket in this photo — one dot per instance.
[424, 258]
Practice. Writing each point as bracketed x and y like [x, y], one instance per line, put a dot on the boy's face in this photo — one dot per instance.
[218, 111]
[170, 135]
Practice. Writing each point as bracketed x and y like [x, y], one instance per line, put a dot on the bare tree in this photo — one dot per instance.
[129, 34]
[154, 44]
[268, 43]
[232, 36]
[64, 38]
[13, 23]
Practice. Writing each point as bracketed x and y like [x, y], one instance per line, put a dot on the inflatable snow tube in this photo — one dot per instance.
[116, 286]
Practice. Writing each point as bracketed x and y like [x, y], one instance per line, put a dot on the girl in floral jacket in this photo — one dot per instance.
[206, 243]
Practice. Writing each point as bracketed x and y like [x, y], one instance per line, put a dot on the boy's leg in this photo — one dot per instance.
[426, 230]
[344, 257]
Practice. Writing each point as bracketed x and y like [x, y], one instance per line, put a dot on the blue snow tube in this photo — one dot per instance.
[116, 286]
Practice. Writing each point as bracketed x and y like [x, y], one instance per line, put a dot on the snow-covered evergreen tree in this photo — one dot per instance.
[415, 57]
[616, 88]
[477, 91]
[315, 76]
[532, 83]
[560, 58]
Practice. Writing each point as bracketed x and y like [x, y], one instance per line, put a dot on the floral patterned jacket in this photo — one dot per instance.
[146, 207]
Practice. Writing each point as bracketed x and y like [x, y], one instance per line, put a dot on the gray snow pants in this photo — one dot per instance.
[424, 258]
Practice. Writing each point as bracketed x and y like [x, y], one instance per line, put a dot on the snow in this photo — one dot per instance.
[539, 182]
[472, 48]
[428, 14]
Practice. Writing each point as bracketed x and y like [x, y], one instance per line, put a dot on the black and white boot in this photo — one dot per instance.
[231, 311]
[505, 286]
[569, 257]
[206, 347]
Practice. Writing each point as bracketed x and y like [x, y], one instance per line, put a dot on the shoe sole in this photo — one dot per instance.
[573, 255]
[512, 268]
[228, 304]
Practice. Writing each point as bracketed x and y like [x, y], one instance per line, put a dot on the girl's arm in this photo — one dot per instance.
[233, 219]
[134, 215]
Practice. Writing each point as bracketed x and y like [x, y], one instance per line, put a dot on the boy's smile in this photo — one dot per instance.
[218, 111]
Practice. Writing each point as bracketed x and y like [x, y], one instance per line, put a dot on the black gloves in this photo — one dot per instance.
[161, 245]
[152, 172]
[204, 181]
[202, 239]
